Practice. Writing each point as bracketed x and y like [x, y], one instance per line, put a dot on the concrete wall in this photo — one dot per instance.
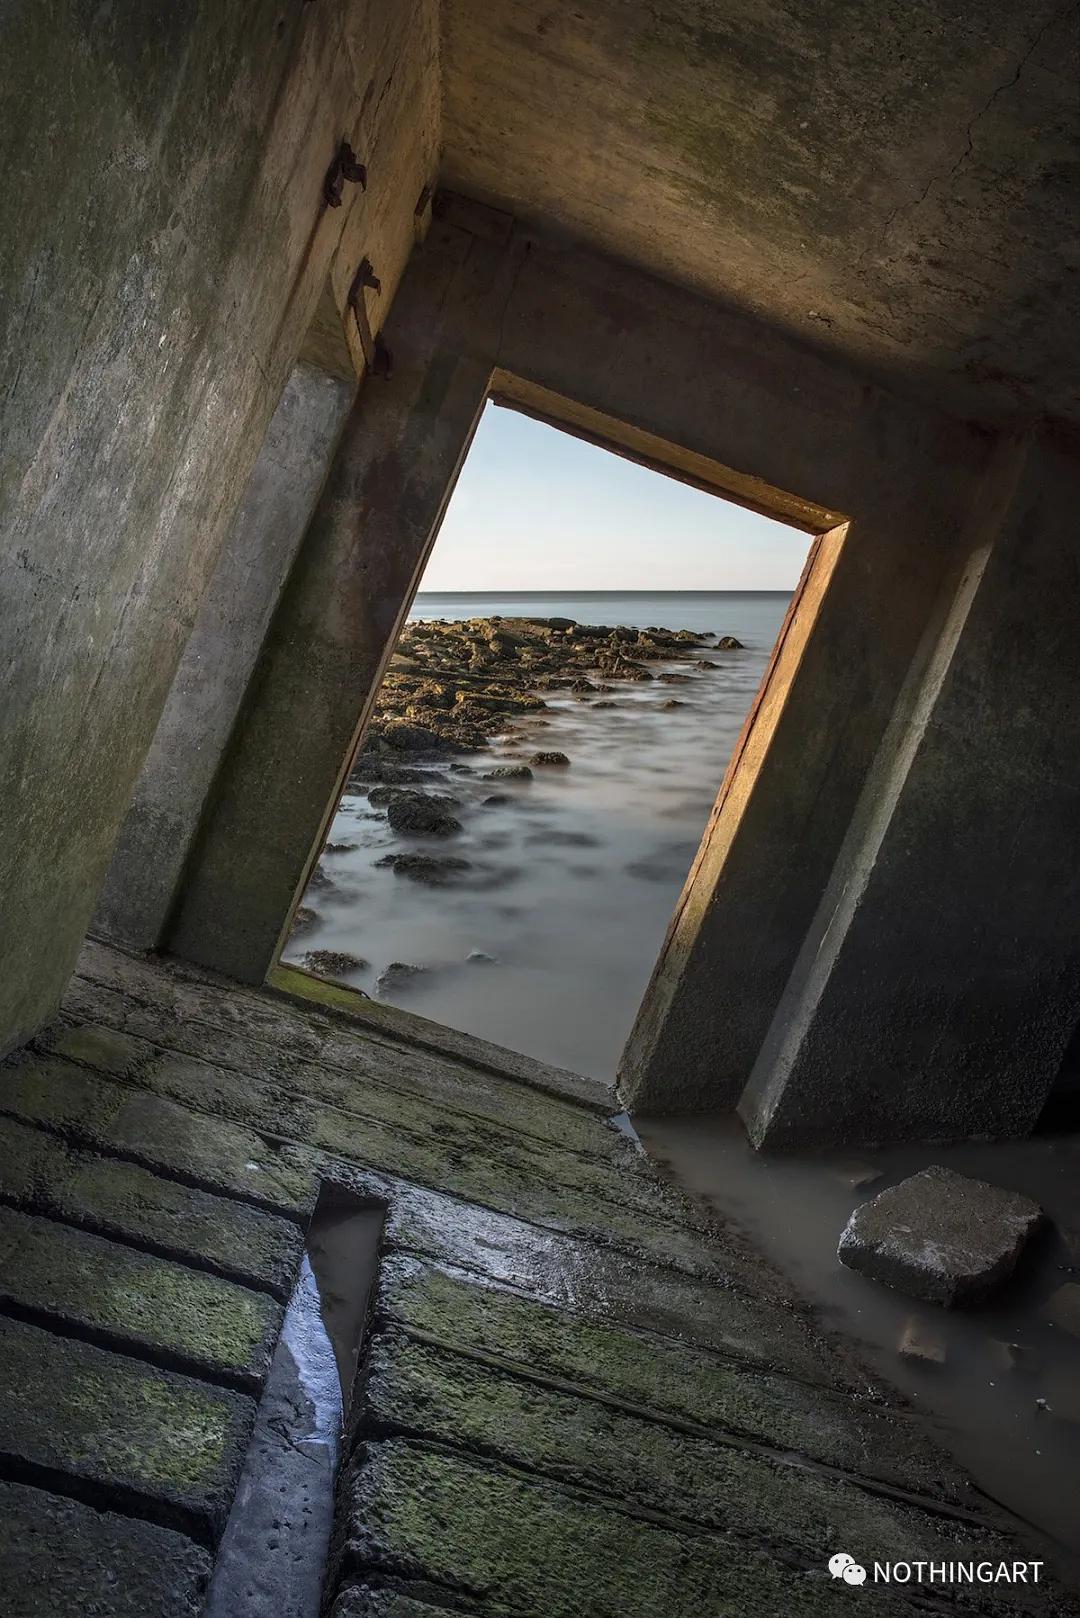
[163, 242]
[336, 625]
[939, 985]
[220, 656]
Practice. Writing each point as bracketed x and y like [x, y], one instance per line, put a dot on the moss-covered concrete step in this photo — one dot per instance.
[196, 1321]
[521, 1546]
[114, 1118]
[157, 1442]
[424, 1392]
[299, 1025]
[39, 1171]
[348, 1062]
[60, 1557]
[599, 1283]
[670, 1378]
[623, 1205]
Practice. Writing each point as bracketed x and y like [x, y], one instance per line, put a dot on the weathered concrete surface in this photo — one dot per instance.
[941, 1236]
[491, 1165]
[645, 1370]
[173, 1314]
[61, 1558]
[208, 691]
[39, 1171]
[548, 1421]
[939, 984]
[361, 1602]
[420, 1391]
[335, 627]
[480, 1054]
[156, 1133]
[159, 280]
[141, 1435]
[468, 1536]
[891, 183]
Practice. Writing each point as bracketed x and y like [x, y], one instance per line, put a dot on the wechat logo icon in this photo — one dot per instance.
[843, 1566]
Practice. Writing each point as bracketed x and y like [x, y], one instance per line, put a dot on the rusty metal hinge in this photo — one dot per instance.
[346, 166]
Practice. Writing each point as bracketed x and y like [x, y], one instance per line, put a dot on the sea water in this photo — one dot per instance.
[547, 942]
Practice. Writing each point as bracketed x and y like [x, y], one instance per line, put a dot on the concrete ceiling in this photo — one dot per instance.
[899, 179]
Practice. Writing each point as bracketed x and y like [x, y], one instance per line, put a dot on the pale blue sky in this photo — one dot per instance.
[536, 509]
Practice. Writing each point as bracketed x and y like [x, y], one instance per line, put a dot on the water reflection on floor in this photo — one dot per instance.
[1012, 1414]
[573, 875]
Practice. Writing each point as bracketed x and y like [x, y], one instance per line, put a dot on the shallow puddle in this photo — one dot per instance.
[1011, 1414]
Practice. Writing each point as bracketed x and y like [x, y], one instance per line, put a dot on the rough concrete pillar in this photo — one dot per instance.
[939, 984]
[337, 623]
[219, 658]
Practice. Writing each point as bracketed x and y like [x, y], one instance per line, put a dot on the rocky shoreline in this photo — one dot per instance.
[453, 689]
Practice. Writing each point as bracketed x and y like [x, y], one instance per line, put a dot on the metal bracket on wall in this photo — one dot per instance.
[370, 345]
[346, 166]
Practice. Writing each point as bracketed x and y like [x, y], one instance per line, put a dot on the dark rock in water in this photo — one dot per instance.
[549, 758]
[497, 799]
[940, 1236]
[599, 705]
[479, 957]
[509, 772]
[340, 848]
[398, 975]
[373, 767]
[673, 702]
[382, 797]
[413, 815]
[326, 962]
[557, 623]
[728, 643]
[581, 686]
[305, 919]
[319, 879]
[433, 869]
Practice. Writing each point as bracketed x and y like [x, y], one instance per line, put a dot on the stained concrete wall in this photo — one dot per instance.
[337, 623]
[660, 372]
[163, 242]
[220, 656]
[939, 985]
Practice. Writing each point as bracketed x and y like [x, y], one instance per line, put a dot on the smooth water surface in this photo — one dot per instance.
[573, 878]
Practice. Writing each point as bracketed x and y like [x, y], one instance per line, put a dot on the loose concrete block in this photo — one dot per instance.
[200, 1320]
[940, 1236]
[61, 1558]
[645, 1462]
[522, 1545]
[645, 1371]
[128, 1428]
[116, 1198]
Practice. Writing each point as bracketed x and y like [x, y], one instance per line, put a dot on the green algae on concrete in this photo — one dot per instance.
[61, 1557]
[527, 1546]
[662, 1376]
[98, 1112]
[422, 1391]
[621, 1204]
[123, 1426]
[201, 1320]
[116, 1198]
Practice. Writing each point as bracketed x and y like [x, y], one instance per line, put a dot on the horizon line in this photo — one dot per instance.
[623, 590]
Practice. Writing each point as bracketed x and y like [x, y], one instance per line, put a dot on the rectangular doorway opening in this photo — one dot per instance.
[546, 747]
